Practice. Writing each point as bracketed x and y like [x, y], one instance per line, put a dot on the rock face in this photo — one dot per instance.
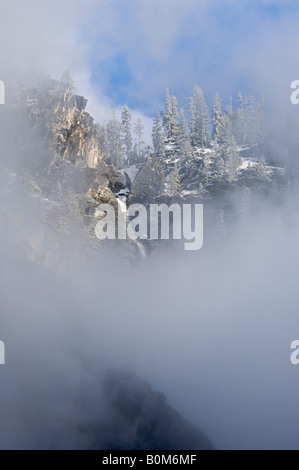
[149, 182]
[140, 419]
[61, 117]
[51, 155]
[70, 137]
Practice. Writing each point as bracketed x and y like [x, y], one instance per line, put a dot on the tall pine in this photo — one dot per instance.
[198, 118]
[183, 137]
[158, 137]
[170, 116]
[217, 116]
[126, 120]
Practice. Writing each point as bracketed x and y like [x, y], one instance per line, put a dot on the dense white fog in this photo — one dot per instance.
[210, 329]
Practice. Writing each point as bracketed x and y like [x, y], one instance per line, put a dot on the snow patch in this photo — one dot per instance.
[195, 192]
[246, 163]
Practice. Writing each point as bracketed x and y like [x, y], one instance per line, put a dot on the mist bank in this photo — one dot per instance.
[210, 329]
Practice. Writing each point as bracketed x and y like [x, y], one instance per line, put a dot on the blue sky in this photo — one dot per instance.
[219, 45]
[130, 52]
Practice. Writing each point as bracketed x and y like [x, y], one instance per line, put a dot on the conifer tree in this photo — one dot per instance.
[170, 116]
[158, 137]
[251, 121]
[183, 137]
[127, 134]
[139, 131]
[198, 118]
[114, 131]
[239, 128]
[217, 118]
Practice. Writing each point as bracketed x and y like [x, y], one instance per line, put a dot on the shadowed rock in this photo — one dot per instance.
[140, 419]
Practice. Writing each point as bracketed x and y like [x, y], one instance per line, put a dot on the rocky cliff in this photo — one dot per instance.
[52, 148]
[137, 418]
[51, 156]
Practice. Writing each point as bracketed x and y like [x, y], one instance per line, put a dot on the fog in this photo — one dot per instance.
[210, 329]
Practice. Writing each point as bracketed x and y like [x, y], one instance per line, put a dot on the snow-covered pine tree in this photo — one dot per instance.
[217, 118]
[226, 146]
[183, 137]
[231, 160]
[114, 131]
[198, 118]
[229, 111]
[225, 136]
[139, 131]
[229, 147]
[239, 128]
[191, 115]
[251, 121]
[207, 167]
[126, 120]
[158, 137]
[135, 155]
[170, 116]
[219, 165]
[102, 136]
[105, 141]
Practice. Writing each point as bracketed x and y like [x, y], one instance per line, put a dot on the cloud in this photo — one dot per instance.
[212, 331]
[222, 46]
